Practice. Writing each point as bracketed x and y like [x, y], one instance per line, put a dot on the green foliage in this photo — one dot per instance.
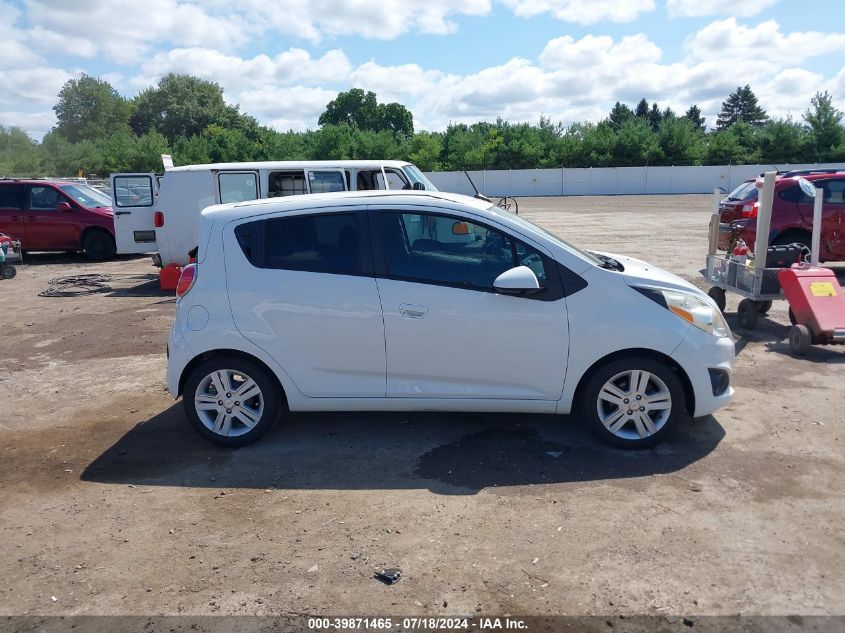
[825, 123]
[361, 109]
[89, 108]
[182, 105]
[188, 118]
[741, 105]
[19, 154]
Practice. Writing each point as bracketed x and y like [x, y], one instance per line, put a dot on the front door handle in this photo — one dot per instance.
[412, 311]
[31, 218]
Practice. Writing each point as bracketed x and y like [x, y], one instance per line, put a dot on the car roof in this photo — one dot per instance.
[294, 164]
[39, 181]
[237, 210]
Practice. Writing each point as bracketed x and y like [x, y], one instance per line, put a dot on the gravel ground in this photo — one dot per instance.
[111, 504]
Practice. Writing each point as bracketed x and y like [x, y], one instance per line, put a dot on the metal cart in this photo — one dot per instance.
[757, 284]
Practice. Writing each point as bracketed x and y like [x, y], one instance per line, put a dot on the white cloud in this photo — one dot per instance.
[700, 8]
[582, 11]
[36, 124]
[728, 39]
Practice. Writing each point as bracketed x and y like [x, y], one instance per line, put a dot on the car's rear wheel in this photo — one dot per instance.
[231, 401]
[792, 238]
[98, 246]
[634, 402]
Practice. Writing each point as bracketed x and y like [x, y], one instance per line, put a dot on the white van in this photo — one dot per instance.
[161, 214]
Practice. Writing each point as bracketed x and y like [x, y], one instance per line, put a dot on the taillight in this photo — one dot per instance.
[750, 210]
[158, 219]
[186, 279]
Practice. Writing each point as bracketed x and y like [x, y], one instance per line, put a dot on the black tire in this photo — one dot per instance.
[270, 394]
[800, 339]
[7, 271]
[718, 295]
[763, 307]
[747, 314]
[793, 238]
[792, 318]
[589, 403]
[99, 246]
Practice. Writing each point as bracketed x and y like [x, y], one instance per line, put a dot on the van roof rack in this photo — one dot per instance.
[788, 173]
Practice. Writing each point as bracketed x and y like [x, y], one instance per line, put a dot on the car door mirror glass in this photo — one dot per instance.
[519, 280]
[460, 228]
[64, 206]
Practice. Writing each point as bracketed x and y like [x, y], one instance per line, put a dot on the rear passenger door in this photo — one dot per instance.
[12, 196]
[133, 204]
[301, 287]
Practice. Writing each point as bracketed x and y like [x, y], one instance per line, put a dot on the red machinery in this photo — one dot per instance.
[817, 306]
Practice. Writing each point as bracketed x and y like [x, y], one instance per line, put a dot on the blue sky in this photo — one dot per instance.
[447, 60]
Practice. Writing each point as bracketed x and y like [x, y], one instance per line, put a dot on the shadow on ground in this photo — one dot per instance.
[71, 257]
[446, 453]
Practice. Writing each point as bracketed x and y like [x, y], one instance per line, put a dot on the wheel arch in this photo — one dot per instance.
[689, 392]
[219, 353]
[791, 231]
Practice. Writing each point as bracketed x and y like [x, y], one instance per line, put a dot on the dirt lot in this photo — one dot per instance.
[110, 504]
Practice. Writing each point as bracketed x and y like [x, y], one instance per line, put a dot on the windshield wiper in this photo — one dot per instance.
[608, 262]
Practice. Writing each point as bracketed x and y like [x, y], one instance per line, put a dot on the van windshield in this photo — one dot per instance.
[415, 175]
[87, 196]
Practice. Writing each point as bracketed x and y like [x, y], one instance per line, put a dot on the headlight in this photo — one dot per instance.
[699, 312]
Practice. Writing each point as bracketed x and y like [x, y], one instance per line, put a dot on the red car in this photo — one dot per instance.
[51, 215]
[792, 213]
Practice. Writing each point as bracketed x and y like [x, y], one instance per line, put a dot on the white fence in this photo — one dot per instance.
[605, 180]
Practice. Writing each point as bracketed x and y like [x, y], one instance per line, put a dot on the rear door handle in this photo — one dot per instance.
[412, 311]
[123, 213]
[31, 218]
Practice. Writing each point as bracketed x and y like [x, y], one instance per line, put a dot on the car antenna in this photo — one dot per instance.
[478, 194]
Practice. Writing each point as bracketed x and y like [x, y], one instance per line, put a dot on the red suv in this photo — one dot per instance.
[792, 213]
[48, 215]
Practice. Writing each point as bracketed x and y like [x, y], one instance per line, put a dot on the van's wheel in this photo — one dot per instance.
[747, 314]
[98, 246]
[800, 339]
[231, 401]
[633, 402]
[718, 295]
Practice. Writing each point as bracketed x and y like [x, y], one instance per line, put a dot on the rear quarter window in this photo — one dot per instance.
[794, 194]
[11, 196]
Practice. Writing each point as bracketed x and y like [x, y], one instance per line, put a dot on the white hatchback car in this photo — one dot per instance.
[380, 301]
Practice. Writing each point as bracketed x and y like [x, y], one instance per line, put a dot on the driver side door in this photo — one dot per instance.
[448, 334]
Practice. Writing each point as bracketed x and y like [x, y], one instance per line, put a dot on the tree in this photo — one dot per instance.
[619, 115]
[679, 141]
[741, 105]
[182, 105]
[694, 115]
[655, 116]
[784, 141]
[641, 111]
[362, 110]
[19, 154]
[635, 144]
[90, 108]
[824, 122]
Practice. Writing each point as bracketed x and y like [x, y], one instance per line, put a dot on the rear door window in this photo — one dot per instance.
[834, 191]
[12, 196]
[315, 243]
[795, 194]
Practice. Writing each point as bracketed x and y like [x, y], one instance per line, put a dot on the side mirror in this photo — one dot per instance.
[517, 281]
[418, 186]
[64, 206]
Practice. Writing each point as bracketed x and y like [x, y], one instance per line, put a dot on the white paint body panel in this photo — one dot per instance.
[340, 342]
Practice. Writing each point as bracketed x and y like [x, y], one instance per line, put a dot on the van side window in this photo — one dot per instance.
[314, 243]
[44, 198]
[325, 181]
[286, 183]
[238, 186]
[11, 196]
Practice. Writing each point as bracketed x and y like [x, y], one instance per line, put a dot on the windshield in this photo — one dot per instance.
[413, 172]
[87, 196]
[746, 191]
[588, 257]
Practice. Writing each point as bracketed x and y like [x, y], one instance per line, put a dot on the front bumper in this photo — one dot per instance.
[697, 354]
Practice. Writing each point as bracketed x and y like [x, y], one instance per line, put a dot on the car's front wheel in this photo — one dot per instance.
[231, 401]
[634, 402]
[99, 246]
